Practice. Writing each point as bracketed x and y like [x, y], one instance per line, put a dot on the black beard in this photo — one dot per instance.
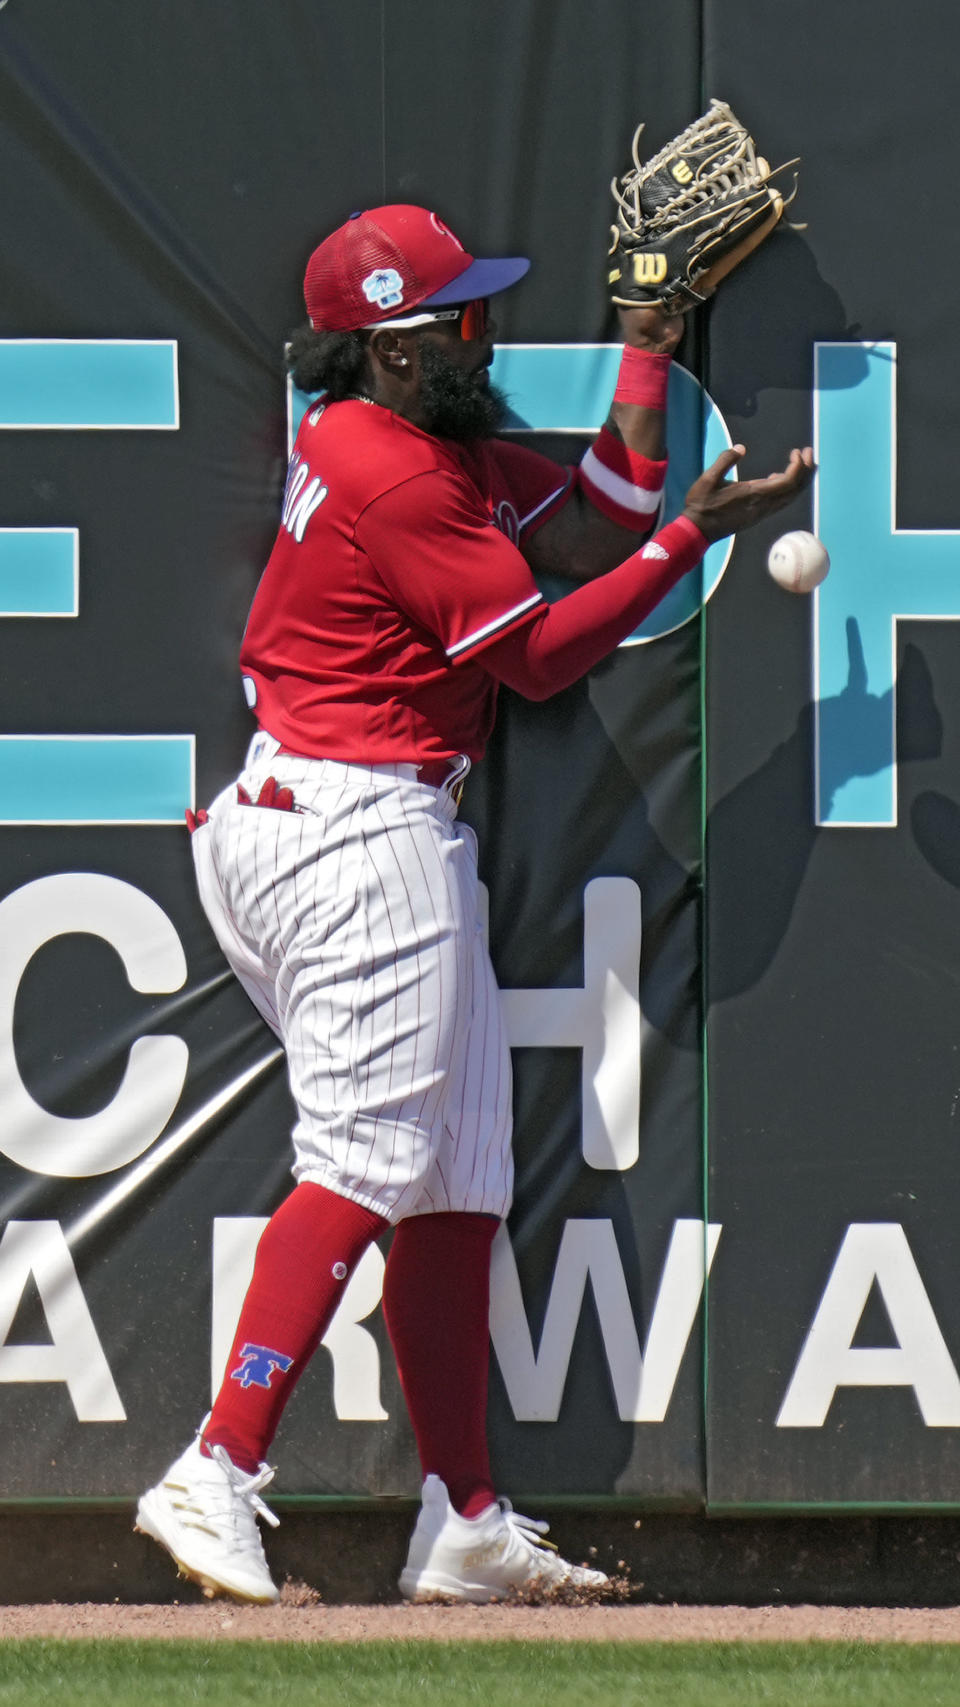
[455, 406]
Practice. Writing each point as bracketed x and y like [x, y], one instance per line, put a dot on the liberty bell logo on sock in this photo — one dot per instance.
[258, 1365]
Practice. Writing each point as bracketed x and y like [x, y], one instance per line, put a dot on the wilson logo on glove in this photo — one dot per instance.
[688, 216]
[649, 269]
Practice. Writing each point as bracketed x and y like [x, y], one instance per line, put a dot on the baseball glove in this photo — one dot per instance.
[690, 215]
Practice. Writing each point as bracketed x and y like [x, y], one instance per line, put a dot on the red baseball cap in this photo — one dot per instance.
[389, 260]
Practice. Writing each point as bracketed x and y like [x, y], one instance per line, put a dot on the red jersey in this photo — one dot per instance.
[395, 564]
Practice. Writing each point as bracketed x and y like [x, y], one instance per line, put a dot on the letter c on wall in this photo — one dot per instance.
[154, 962]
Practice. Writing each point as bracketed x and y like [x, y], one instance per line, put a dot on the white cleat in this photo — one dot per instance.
[496, 1556]
[204, 1513]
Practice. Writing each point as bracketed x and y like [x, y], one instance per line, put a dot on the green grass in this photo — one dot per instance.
[88, 1673]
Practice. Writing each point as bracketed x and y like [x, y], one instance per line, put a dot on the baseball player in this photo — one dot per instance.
[399, 596]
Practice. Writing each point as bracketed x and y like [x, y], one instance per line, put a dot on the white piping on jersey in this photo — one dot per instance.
[636, 498]
[494, 626]
[532, 514]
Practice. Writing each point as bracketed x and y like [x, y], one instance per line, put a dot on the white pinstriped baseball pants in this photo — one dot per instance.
[352, 923]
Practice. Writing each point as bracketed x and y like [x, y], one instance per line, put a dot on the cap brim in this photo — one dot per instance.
[482, 278]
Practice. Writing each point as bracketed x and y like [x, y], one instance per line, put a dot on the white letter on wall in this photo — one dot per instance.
[873, 1253]
[76, 1356]
[153, 958]
[602, 1019]
[642, 1383]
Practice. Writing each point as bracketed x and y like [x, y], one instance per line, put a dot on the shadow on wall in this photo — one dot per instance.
[935, 821]
[759, 836]
[768, 323]
[746, 829]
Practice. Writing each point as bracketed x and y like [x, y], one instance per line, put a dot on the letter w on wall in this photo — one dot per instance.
[642, 1383]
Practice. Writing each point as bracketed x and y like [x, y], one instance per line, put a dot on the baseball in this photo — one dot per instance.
[798, 561]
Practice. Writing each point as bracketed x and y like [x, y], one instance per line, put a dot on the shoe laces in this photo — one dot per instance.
[247, 1484]
[531, 1530]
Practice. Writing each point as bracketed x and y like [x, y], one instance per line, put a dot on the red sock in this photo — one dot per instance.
[436, 1303]
[306, 1254]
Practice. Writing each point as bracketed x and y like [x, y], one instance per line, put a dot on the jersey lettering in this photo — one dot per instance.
[301, 496]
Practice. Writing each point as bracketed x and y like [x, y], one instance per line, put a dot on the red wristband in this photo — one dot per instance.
[621, 483]
[642, 378]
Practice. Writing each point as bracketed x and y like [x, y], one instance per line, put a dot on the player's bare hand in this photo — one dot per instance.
[651, 328]
[720, 506]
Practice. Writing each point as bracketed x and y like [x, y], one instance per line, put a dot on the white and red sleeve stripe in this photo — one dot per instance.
[622, 484]
[496, 627]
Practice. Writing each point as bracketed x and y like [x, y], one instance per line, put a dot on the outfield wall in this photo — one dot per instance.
[742, 828]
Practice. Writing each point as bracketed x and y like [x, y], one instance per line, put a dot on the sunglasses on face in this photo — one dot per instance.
[474, 318]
